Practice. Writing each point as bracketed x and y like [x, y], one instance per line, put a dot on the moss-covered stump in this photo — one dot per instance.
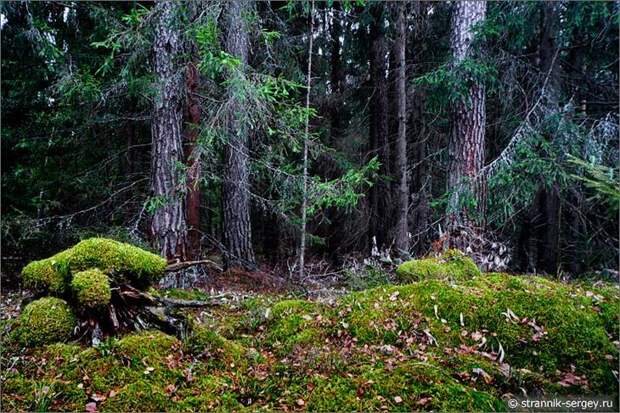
[452, 264]
[122, 262]
[46, 320]
[104, 282]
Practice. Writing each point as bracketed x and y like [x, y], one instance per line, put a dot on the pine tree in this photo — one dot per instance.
[466, 145]
[236, 187]
[168, 225]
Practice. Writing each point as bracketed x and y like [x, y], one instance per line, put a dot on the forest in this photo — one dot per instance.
[356, 205]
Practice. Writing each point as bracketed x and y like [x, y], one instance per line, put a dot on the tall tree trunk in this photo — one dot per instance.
[193, 165]
[420, 182]
[236, 187]
[401, 237]
[168, 225]
[379, 129]
[466, 146]
[550, 26]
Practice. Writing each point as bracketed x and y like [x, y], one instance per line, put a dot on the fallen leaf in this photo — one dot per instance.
[90, 407]
[398, 399]
[300, 402]
[170, 389]
[424, 401]
[570, 379]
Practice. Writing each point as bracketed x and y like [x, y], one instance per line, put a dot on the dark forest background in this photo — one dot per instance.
[181, 127]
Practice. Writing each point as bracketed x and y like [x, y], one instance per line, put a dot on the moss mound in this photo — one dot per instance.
[150, 346]
[91, 288]
[452, 264]
[48, 275]
[530, 322]
[45, 321]
[294, 323]
[118, 259]
[122, 262]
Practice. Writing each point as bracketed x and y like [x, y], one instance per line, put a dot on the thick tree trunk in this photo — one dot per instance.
[236, 187]
[401, 237]
[193, 165]
[168, 226]
[466, 146]
[420, 183]
[380, 210]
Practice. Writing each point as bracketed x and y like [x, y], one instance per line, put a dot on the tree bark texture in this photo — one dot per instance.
[236, 188]
[168, 226]
[466, 146]
[401, 237]
[193, 165]
[380, 211]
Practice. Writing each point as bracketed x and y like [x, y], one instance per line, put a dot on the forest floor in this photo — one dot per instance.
[446, 343]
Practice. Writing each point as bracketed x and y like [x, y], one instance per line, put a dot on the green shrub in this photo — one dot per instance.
[91, 288]
[452, 264]
[44, 321]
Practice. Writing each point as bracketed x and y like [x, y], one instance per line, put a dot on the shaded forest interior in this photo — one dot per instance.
[189, 129]
[234, 205]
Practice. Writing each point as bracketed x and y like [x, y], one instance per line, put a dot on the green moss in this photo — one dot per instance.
[411, 386]
[182, 294]
[149, 347]
[142, 395]
[540, 324]
[48, 275]
[306, 355]
[294, 322]
[22, 394]
[91, 288]
[207, 393]
[452, 264]
[46, 320]
[207, 343]
[117, 259]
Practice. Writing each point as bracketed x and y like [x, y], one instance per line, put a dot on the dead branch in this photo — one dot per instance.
[181, 265]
